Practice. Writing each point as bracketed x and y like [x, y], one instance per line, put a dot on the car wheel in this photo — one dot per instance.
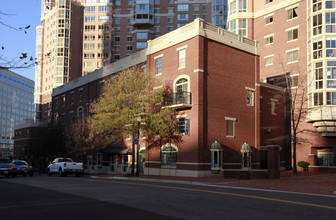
[78, 174]
[6, 175]
[24, 174]
[31, 174]
[60, 173]
[13, 175]
[49, 173]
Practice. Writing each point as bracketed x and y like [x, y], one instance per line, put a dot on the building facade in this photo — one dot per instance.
[297, 39]
[217, 101]
[79, 36]
[16, 106]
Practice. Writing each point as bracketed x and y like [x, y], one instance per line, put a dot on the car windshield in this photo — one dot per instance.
[4, 160]
[20, 163]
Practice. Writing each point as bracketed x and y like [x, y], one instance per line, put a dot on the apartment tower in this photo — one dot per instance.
[297, 38]
[79, 36]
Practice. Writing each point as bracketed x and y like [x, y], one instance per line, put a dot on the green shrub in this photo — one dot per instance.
[304, 165]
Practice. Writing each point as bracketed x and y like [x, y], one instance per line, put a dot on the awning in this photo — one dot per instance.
[118, 150]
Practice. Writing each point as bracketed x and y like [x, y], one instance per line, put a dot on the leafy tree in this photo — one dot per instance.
[127, 97]
[81, 139]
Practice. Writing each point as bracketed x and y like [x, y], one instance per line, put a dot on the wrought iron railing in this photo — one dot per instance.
[178, 98]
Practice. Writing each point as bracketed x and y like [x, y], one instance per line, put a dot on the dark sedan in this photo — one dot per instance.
[7, 168]
[23, 168]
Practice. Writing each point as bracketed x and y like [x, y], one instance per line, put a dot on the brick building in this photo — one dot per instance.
[217, 99]
[297, 38]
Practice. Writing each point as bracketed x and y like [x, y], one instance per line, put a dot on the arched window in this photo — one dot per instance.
[168, 155]
[80, 113]
[56, 120]
[182, 91]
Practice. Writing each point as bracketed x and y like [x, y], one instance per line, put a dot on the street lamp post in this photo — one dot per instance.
[138, 147]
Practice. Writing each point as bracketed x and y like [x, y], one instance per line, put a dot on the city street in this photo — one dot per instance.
[41, 197]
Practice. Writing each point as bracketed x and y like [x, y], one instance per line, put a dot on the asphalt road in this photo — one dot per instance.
[42, 197]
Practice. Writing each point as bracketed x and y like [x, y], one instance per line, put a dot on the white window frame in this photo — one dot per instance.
[233, 120]
[269, 58]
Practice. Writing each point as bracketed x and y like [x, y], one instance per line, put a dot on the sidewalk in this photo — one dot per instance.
[314, 183]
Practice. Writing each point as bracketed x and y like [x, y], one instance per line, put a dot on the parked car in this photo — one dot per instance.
[65, 166]
[23, 168]
[7, 168]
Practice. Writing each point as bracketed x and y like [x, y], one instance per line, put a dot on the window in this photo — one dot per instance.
[129, 47]
[156, 11]
[331, 74]
[317, 5]
[242, 6]
[170, 19]
[250, 97]
[318, 76]
[274, 107]
[204, 7]
[90, 18]
[331, 98]
[158, 66]
[90, 9]
[268, 40]
[184, 7]
[129, 38]
[141, 45]
[317, 49]
[268, 1]
[317, 24]
[103, 18]
[182, 58]
[318, 98]
[269, 60]
[269, 20]
[170, 10]
[325, 158]
[104, 9]
[330, 4]
[230, 126]
[233, 7]
[182, 17]
[169, 155]
[116, 38]
[292, 56]
[170, 28]
[156, 29]
[292, 34]
[117, 21]
[118, 2]
[196, 7]
[330, 22]
[142, 36]
[156, 20]
[294, 81]
[181, 126]
[63, 101]
[292, 13]
[242, 27]
[182, 92]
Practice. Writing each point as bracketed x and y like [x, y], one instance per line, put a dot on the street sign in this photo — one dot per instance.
[136, 141]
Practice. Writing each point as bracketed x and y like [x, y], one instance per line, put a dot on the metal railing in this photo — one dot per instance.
[177, 98]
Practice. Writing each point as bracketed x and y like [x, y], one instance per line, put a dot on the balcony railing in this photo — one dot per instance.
[178, 100]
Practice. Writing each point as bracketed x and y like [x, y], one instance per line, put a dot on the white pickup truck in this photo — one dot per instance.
[64, 166]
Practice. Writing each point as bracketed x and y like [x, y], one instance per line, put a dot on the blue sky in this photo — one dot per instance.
[20, 13]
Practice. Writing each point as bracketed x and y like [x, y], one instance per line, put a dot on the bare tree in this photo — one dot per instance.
[22, 60]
